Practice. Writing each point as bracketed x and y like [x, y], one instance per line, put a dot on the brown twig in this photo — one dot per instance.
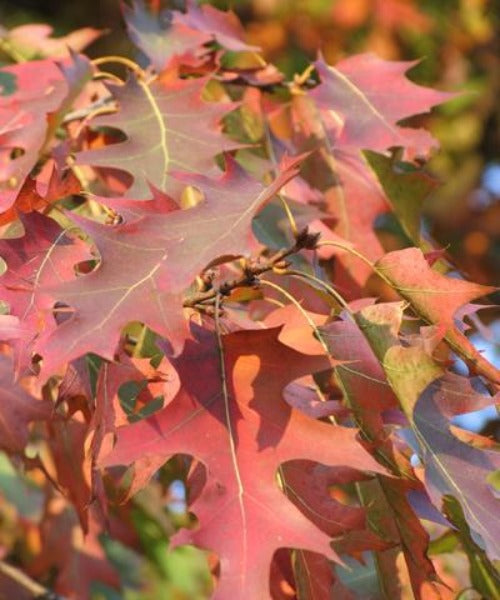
[204, 300]
[22, 580]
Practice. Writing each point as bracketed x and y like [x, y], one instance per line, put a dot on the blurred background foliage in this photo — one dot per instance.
[455, 44]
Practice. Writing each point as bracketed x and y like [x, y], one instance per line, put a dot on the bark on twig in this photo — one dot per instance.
[204, 299]
[32, 587]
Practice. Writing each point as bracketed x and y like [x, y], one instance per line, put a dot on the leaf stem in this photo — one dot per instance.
[107, 75]
[289, 214]
[359, 255]
[324, 285]
[122, 60]
[299, 307]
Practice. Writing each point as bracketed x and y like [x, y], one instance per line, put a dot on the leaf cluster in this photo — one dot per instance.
[204, 340]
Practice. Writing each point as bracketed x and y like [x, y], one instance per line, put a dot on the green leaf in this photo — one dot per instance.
[8, 83]
[483, 574]
[406, 187]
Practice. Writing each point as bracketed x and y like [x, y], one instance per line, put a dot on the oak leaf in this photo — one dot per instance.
[248, 432]
[161, 133]
[46, 255]
[36, 97]
[18, 409]
[161, 40]
[361, 113]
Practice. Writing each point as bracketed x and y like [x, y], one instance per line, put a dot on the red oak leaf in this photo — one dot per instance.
[45, 256]
[38, 89]
[392, 517]
[368, 393]
[353, 206]
[223, 25]
[157, 119]
[315, 577]
[161, 39]
[364, 385]
[362, 99]
[108, 412]
[48, 186]
[30, 111]
[351, 201]
[430, 398]
[453, 465]
[282, 577]
[169, 35]
[71, 467]
[17, 409]
[248, 431]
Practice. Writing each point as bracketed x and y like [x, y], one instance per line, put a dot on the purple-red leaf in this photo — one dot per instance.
[168, 127]
[454, 467]
[162, 40]
[363, 98]
[17, 409]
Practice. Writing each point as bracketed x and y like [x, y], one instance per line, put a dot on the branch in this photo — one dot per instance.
[22, 580]
[204, 300]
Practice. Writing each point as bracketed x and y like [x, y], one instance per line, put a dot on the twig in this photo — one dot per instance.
[204, 300]
[33, 587]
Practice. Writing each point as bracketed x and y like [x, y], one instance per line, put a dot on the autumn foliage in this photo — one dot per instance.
[193, 288]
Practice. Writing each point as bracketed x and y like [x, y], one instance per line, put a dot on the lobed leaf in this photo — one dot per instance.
[157, 120]
[249, 431]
